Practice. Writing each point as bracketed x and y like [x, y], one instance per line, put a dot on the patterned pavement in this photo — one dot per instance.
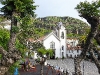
[88, 68]
[46, 71]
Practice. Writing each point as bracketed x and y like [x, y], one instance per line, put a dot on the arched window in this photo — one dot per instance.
[52, 45]
[62, 35]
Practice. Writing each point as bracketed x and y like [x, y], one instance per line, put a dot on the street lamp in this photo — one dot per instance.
[83, 67]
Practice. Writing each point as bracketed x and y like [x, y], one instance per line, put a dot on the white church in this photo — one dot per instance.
[57, 41]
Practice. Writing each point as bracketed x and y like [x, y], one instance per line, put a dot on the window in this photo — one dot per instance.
[62, 47]
[72, 44]
[77, 51]
[52, 45]
[71, 56]
[75, 56]
[62, 35]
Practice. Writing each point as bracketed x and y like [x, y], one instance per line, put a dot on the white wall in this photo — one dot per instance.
[63, 41]
[47, 41]
[73, 53]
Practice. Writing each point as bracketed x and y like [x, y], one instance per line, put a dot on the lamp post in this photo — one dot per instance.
[83, 67]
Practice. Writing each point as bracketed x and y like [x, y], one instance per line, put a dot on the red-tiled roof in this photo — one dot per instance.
[74, 48]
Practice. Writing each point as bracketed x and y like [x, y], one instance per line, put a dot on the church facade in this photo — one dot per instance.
[56, 41]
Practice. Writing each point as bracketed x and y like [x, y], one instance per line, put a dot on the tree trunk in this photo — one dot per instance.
[96, 50]
[7, 60]
[3, 70]
[42, 65]
[10, 56]
[77, 66]
[97, 63]
[98, 37]
[41, 69]
[11, 44]
[86, 48]
[2, 51]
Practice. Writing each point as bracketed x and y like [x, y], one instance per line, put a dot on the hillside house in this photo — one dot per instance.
[72, 49]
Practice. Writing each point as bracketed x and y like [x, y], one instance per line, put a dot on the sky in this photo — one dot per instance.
[58, 8]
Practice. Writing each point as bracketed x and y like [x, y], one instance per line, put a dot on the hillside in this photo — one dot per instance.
[43, 26]
[74, 27]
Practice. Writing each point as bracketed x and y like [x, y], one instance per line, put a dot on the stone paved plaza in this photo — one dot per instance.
[89, 67]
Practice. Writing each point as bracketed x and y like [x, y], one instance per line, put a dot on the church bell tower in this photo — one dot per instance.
[62, 37]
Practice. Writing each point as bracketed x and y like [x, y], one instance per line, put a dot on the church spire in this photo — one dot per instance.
[59, 25]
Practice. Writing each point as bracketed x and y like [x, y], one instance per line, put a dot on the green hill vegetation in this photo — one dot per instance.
[42, 26]
[74, 27]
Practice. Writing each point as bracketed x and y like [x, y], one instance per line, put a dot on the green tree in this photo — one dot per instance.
[49, 53]
[42, 51]
[16, 10]
[90, 12]
[4, 38]
[21, 47]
